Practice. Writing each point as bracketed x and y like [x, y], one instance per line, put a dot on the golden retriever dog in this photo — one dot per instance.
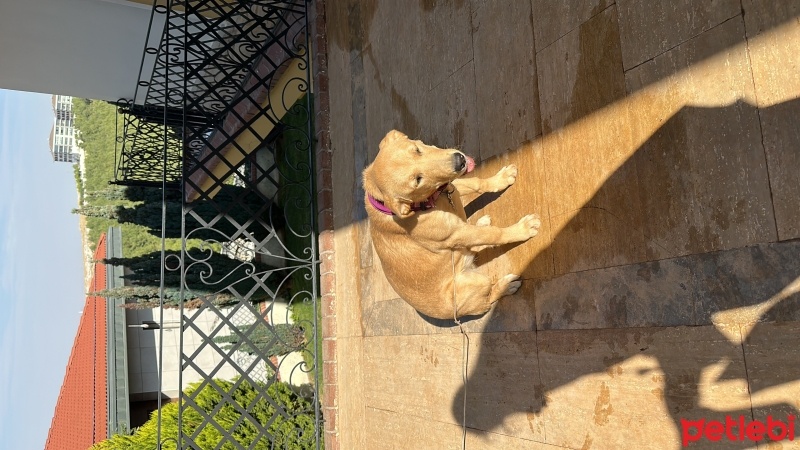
[420, 232]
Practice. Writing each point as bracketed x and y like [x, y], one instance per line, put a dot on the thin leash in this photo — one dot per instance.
[465, 355]
[465, 352]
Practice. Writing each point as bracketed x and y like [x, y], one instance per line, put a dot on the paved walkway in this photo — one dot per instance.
[658, 141]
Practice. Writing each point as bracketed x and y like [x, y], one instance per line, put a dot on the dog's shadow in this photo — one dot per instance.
[482, 201]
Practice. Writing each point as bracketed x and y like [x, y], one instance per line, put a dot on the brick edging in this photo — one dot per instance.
[319, 46]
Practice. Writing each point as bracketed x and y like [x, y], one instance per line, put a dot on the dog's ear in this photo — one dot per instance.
[400, 208]
[394, 134]
[391, 137]
[366, 181]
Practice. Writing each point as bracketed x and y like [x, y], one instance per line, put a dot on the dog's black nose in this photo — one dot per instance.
[459, 162]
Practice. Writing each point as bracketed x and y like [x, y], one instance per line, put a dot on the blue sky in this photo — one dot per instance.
[41, 272]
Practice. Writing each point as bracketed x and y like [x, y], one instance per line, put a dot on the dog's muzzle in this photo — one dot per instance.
[459, 162]
[462, 163]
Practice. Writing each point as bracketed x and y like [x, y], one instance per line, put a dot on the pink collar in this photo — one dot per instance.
[429, 203]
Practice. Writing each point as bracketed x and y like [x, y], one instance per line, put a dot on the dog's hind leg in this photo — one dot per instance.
[475, 293]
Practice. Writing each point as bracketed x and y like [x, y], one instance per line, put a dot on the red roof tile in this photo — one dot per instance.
[81, 414]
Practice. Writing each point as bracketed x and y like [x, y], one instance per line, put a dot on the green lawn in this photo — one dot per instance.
[303, 315]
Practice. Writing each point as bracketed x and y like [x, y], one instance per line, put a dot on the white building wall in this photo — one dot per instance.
[82, 48]
[143, 361]
[143, 354]
[64, 146]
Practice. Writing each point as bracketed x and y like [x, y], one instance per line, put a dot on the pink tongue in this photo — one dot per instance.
[470, 164]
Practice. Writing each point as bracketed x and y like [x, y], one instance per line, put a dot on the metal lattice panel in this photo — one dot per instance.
[224, 114]
[213, 62]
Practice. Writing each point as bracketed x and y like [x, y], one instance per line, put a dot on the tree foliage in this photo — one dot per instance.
[291, 424]
[112, 193]
[95, 122]
[208, 277]
[232, 209]
[143, 297]
[270, 340]
[76, 169]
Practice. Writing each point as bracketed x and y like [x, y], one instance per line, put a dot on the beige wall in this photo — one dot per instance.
[82, 48]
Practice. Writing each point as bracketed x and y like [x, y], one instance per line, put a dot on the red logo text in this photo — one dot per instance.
[737, 429]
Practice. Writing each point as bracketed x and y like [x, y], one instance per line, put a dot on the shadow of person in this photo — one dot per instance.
[653, 320]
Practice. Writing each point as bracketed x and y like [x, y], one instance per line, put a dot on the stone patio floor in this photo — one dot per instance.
[659, 142]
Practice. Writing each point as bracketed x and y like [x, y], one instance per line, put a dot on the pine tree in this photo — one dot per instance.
[206, 274]
[141, 297]
[105, 212]
[232, 209]
[113, 193]
[269, 340]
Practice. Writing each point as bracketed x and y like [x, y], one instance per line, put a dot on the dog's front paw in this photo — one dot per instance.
[508, 174]
[528, 226]
[484, 221]
[504, 178]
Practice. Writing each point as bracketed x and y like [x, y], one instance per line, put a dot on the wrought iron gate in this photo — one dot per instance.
[221, 122]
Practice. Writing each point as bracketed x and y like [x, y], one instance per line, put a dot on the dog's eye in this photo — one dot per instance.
[419, 180]
[419, 152]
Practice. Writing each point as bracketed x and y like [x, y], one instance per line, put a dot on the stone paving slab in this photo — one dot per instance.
[743, 278]
[773, 362]
[456, 123]
[581, 71]
[659, 293]
[532, 259]
[432, 366]
[733, 287]
[705, 168]
[509, 92]
[773, 33]
[569, 387]
[649, 29]
[349, 398]
[391, 430]
[552, 20]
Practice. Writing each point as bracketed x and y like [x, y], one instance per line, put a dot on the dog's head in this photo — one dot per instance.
[408, 171]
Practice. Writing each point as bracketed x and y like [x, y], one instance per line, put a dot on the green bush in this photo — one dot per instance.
[297, 432]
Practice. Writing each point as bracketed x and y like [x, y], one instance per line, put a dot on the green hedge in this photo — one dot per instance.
[295, 433]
